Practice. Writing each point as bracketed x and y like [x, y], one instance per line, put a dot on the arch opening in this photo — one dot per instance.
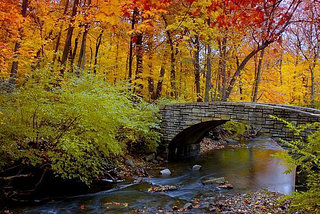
[187, 142]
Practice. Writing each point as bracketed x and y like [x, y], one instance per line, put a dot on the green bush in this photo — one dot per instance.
[304, 154]
[73, 125]
[235, 129]
[317, 105]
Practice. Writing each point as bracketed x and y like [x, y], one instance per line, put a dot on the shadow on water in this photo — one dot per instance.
[247, 169]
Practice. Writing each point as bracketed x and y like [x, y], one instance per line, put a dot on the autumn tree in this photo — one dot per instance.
[14, 67]
[67, 45]
[271, 19]
[10, 23]
[306, 37]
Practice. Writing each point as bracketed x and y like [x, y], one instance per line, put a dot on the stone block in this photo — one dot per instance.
[205, 119]
[233, 117]
[196, 110]
[225, 117]
[217, 116]
[270, 121]
[243, 116]
[255, 114]
[265, 130]
[189, 123]
[278, 126]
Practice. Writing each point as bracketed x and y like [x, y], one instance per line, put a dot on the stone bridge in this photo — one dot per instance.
[185, 125]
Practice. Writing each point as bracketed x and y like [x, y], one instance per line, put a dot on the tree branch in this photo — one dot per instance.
[16, 176]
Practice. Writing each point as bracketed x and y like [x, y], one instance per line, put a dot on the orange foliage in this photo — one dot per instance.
[164, 42]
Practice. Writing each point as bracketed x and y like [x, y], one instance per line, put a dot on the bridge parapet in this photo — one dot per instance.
[300, 108]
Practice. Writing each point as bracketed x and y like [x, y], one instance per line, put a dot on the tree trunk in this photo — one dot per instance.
[255, 58]
[150, 78]
[174, 92]
[240, 81]
[223, 65]
[82, 55]
[81, 60]
[160, 83]
[98, 43]
[208, 75]
[67, 45]
[139, 59]
[280, 69]
[216, 88]
[173, 71]
[73, 53]
[241, 67]
[14, 67]
[258, 77]
[60, 32]
[116, 67]
[311, 69]
[131, 44]
[197, 69]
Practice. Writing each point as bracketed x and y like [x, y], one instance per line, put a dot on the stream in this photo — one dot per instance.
[247, 169]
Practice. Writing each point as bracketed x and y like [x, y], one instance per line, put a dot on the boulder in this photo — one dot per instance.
[170, 187]
[196, 167]
[138, 180]
[165, 188]
[150, 157]
[129, 162]
[160, 159]
[225, 186]
[165, 172]
[221, 180]
[187, 206]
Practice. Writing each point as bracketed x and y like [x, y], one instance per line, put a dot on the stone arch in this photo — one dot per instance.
[187, 142]
[177, 118]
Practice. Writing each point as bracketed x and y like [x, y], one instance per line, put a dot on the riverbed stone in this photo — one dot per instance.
[187, 206]
[225, 186]
[161, 188]
[150, 157]
[129, 162]
[196, 167]
[160, 159]
[165, 172]
[221, 180]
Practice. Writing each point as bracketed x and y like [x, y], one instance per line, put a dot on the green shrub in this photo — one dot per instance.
[304, 154]
[317, 104]
[235, 129]
[73, 125]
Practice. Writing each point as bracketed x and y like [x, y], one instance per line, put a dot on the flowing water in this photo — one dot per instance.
[247, 169]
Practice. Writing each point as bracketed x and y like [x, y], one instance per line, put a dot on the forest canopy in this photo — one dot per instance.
[191, 50]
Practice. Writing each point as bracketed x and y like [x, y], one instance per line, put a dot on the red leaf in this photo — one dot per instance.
[190, 1]
[134, 39]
